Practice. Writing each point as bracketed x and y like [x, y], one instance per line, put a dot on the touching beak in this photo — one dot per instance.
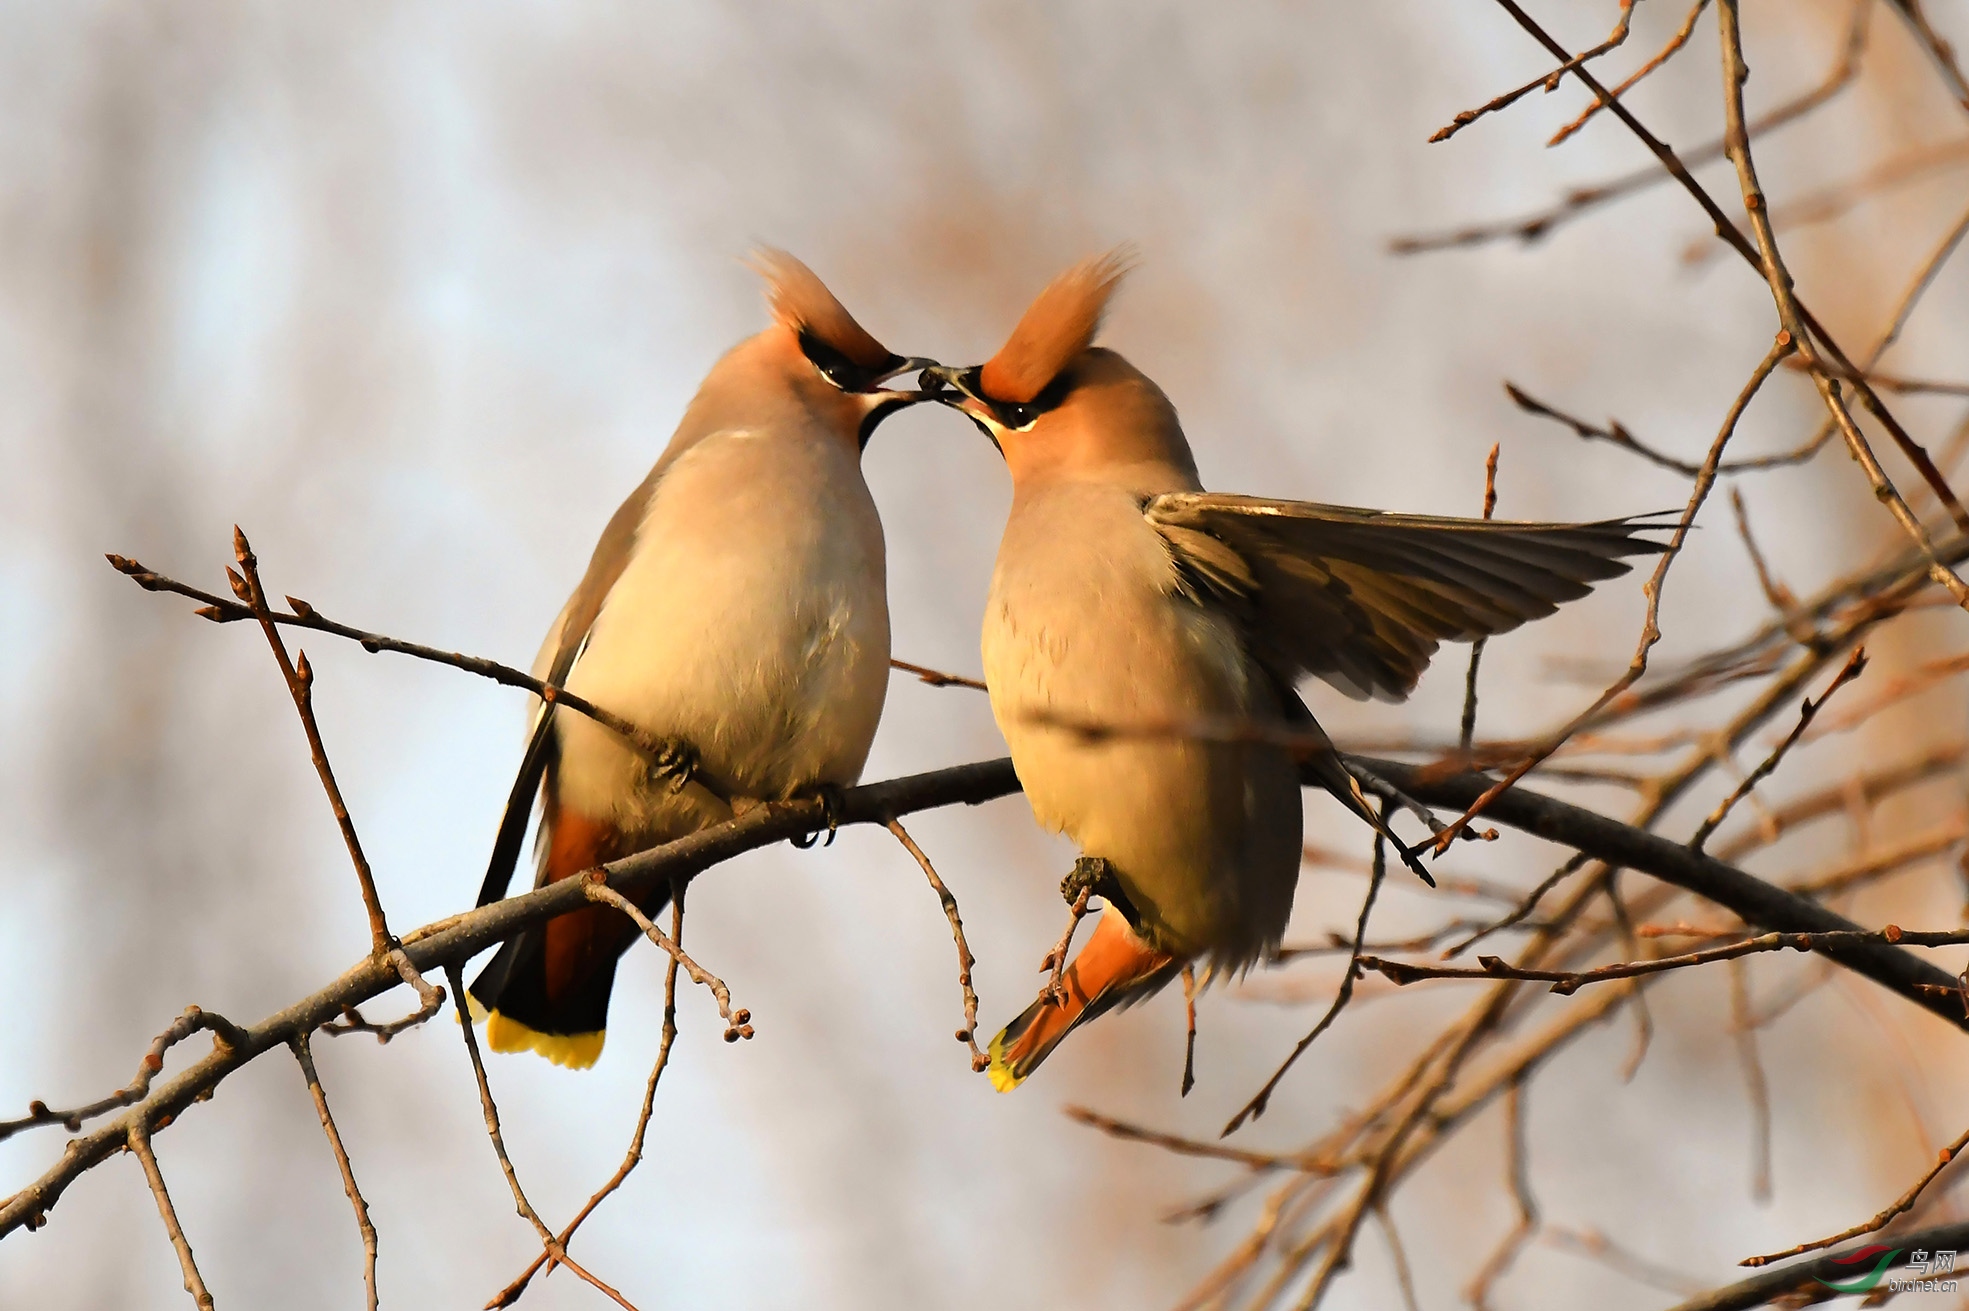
[908, 364]
[936, 378]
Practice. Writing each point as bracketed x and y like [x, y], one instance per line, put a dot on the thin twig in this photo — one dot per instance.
[665, 757]
[967, 1035]
[1404, 1277]
[1583, 199]
[1854, 667]
[1180, 1145]
[936, 677]
[1617, 434]
[1549, 80]
[1668, 52]
[1745, 1034]
[139, 1141]
[1596, 1246]
[1055, 991]
[1189, 1029]
[1900, 1206]
[1524, 908]
[633, 1157]
[1922, 846]
[192, 1020]
[303, 1055]
[738, 1023]
[1799, 324]
[491, 1109]
[300, 685]
[1938, 50]
[1467, 730]
[1518, 1161]
[1781, 597]
[1830, 202]
[1256, 1106]
[1567, 982]
[1651, 626]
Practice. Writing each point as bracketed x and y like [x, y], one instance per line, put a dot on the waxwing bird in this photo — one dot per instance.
[736, 603]
[1125, 594]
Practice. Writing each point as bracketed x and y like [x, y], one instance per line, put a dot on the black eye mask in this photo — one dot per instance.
[843, 372]
[1013, 414]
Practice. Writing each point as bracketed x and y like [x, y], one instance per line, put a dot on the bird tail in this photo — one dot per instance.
[547, 988]
[1321, 766]
[1328, 771]
[1115, 968]
[523, 1014]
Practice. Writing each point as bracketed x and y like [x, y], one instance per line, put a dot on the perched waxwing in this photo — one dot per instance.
[736, 604]
[1124, 594]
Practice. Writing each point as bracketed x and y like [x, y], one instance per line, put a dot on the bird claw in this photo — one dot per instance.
[833, 807]
[675, 760]
[1090, 874]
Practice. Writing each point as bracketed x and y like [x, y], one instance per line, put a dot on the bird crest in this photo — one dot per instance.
[801, 301]
[1057, 327]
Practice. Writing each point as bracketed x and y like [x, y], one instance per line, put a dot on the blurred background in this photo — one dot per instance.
[414, 293]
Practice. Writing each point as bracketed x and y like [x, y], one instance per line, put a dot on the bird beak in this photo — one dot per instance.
[908, 364]
[938, 378]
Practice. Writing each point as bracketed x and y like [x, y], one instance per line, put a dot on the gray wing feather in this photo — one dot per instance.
[576, 623]
[1362, 598]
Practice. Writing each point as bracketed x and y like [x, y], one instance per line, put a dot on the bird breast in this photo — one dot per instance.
[1086, 625]
[751, 620]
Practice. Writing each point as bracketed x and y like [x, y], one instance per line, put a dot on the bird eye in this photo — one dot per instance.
[840, 372]
[1018, 416]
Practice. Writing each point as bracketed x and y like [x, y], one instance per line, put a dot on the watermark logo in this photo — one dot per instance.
[1921, 1272]
[1877, 1254]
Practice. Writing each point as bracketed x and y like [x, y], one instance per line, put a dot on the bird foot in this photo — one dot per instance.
[1098, 878]
[673, 760]
[1091, 874]
[833, 806]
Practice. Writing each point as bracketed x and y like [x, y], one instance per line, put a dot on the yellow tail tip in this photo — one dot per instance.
[577, 1051]
[1000, 1072]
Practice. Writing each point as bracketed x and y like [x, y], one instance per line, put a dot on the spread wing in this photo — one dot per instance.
[566, 640]
[1361, 598]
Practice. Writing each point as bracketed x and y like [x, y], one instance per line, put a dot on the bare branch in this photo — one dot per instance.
[138, 1137]
[1668, 52]
[1617, 434]
[525, 1208]
[1900, 1206]
[1550, 81]
[1583, 199]
[192, 1020]
[300, 686]
[1056, 959]
[1256, 1106]
[1518, 1158]
[1651, 626]
[1467, 729]
[665, 757]
[633, 1157]
[1855, 666]
[967, 1035]
[738, 1023]
[936, 677]
[367, 1231]
[1744, 1031]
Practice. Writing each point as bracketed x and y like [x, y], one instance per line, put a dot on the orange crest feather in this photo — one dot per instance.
[1057, 327]
[801, 301]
